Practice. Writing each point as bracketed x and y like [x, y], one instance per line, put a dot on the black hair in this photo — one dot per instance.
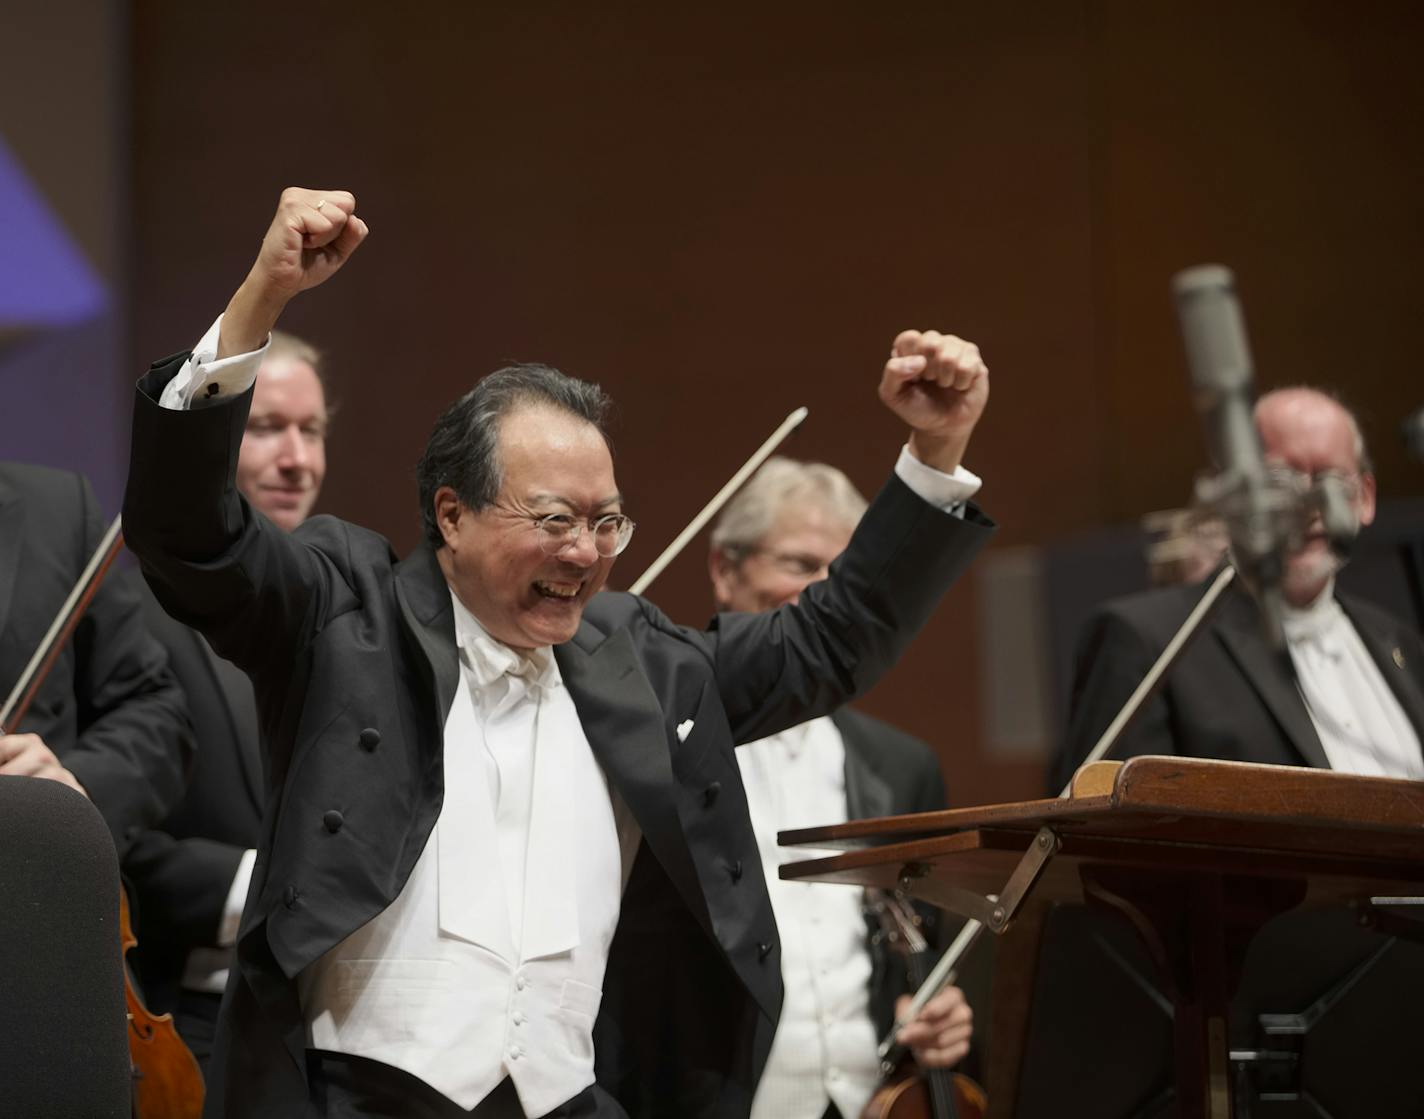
[463, 449]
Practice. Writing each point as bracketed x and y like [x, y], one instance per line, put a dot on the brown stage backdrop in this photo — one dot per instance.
[722, 212]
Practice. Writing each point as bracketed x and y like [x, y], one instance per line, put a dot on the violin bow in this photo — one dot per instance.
[26, 687]
[709, 510]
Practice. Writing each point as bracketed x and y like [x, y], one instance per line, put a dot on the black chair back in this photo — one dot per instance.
[65, 1050]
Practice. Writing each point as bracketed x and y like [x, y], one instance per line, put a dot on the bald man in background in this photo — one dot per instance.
[1346, 693]
[190, 875]
[1349, 693]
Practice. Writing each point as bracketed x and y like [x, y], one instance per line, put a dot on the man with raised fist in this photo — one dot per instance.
[189, 875]
[507, 868]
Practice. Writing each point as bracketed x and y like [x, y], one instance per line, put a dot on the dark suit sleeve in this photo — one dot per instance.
[134, 741]
[182, 870]
[1113, 656]
[800, 661]
[258, 594]
[183, 884]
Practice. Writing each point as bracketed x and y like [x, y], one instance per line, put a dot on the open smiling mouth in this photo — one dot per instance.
[563, 591]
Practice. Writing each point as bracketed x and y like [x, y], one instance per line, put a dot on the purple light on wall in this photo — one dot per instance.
[45, 280]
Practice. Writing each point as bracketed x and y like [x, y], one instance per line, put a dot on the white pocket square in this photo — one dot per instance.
[684, 728]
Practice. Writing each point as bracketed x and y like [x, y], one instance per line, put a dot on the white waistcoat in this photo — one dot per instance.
[461, 1010]
[824, 1048]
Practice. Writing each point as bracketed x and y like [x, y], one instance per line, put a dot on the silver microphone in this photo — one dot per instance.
[1258, 515]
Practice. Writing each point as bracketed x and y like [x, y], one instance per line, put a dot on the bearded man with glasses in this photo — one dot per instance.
[507, 868]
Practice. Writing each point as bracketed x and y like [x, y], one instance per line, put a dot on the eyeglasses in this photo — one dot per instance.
[558, 532]
[792, 563]
[1301, 482]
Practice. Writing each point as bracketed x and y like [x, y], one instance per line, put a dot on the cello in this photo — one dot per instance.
[906, 1091]
[166, 1082]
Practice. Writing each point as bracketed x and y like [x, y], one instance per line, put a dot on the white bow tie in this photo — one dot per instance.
[489, 660]
[1317, 627]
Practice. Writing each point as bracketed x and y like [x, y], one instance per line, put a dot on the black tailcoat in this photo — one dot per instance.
[182, 870]
[353, 659]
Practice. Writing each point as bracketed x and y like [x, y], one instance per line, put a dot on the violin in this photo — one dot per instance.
[166, 1081]
[907, 1091]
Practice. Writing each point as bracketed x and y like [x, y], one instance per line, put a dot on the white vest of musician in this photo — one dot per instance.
[490, 961]
[824, 1049]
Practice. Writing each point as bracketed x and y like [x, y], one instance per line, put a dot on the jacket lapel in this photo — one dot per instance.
[1386, 647]
[868, 795]
[424, 600]
[240, 705]
[624, 723]
[1238, 625]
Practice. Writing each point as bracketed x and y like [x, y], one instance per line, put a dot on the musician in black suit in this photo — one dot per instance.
[190, 875]
[109, 720]
[778, 536]
[1348, 691]
[485, 783]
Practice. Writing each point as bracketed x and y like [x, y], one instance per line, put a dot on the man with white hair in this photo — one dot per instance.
[777, 536]
[1347, 695]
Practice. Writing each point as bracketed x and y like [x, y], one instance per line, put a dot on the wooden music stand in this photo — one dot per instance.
[1197, 855]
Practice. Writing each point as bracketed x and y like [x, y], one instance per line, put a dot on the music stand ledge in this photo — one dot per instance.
[1196, 855]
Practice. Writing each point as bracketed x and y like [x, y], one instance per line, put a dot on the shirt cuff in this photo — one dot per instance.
[236, 898]
[944, 491]
[204, 379]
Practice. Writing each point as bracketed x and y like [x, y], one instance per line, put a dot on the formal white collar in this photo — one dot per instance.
[489, 658]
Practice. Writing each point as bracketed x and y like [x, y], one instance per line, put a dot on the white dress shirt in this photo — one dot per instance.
[1359, 719]
[825, 1044]
[485, 967]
